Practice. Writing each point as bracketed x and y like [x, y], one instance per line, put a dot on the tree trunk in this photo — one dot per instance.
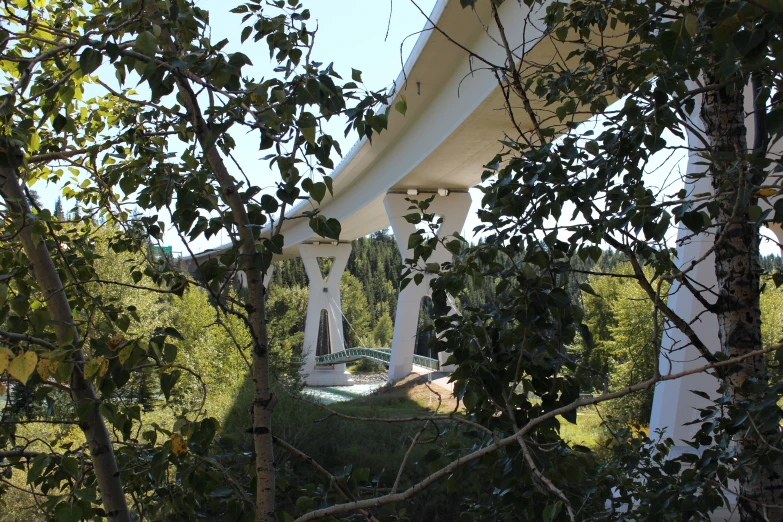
[263, 398]
[738, 269]
[92, 424]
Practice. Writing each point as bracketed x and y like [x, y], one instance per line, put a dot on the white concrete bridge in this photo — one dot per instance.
[454, 120]
[453, 125]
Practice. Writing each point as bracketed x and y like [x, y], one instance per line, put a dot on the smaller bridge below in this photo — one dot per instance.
[381, 355]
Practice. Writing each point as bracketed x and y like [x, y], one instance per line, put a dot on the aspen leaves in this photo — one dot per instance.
[5, 356]
[96, 366]
[178, 445]
[765, 192]
[46, 368]
[22, 366]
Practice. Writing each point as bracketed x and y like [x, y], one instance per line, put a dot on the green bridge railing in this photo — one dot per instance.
[381, 355]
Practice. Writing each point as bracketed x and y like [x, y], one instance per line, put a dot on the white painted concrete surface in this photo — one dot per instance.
[454, 210]
[324, 295]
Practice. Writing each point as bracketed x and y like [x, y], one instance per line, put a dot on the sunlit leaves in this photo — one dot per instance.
[178, 445]
[135, 150]
[23, 366]
[5, 356]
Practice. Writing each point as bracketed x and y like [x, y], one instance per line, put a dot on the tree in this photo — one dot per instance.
[165, 151]
[59, 213]
[287, 313]
[356, 312]
[383, 331]
[674, 68]
[162, 149]
[663, 61]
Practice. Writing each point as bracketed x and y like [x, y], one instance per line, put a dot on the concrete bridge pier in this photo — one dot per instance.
[674, 405]
[324, 297]
[453, 208]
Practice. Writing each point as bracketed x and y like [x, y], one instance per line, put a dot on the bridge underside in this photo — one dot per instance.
[456, 116]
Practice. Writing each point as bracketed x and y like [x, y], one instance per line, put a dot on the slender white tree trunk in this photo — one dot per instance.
[263, 399]
[738, 270]
[92, 423]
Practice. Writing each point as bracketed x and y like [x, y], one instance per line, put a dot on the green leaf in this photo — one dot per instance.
[413, 219]
[70, 465]
[146, 44]
[328, 228]
[167, 382]
[551, 511]
[35, 142]
[318, 191]
[173, 332]
[170, 352]
[356, 75]
[246, 33]
[59, 122]
[691, 23]
[754, 213]
[774, 121]
[65, 512]
[90, 60]
[304, 504]
[269, 204]
[309, 134]
[402, 105]
[570, 416]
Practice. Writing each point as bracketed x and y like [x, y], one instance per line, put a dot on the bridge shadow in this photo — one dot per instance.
[336, 443]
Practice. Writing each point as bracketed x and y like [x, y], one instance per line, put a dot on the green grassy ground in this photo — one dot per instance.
[588, 430]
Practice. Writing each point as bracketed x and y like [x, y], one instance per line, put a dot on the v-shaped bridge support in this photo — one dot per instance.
[454, 209]
[324, 296]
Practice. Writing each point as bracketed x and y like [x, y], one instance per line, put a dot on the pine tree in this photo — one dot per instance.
[383, 331]
[58, 209]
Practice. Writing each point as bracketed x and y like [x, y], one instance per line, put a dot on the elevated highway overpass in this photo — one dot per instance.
[456, 117]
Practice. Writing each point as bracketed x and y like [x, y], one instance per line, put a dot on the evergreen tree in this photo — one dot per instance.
[58, 209]
[383, 331]
[356, 312]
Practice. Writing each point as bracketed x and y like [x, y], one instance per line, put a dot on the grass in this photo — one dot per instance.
[588, 430]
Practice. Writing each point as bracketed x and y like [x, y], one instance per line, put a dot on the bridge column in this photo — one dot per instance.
[453, 208]
[324, 296]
